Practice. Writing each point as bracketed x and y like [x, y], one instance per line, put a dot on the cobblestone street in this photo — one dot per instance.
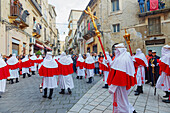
[98, 100]
[24, 97]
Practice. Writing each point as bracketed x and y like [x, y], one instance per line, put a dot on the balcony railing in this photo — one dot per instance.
[89, 31]
[17, 11]
[37, 6]
[163, 7]
[37, 31]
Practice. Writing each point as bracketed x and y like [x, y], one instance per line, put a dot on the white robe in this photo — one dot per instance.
[121, 98]
[106, 73]
[2, 85]
[80, 72]
[140, 74]
[66, 82]
[13, 74]
[34, 68]
[90, 73]
[50, 82]
[25, 70]
[165, 80]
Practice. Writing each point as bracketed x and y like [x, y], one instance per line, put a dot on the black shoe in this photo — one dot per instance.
[77, 77]
[90, 80]
[49, 97]
[147, 82]
[12, 82]
[33, 72]
[166, 101]
[167, 95]
[29, 75]
[81, 77]
[137, 93]
[44, 96]
[62, 91]
[141, 89]
[17, 80]
[69, 91]
[24, 75]
[0, 96]
[106, 86]
[134, 111]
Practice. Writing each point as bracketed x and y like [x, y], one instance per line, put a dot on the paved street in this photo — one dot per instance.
[98, 100]
[24, 97]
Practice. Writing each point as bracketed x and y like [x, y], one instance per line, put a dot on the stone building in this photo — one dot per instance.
[24, 26]
[148, 30]
[73, 18]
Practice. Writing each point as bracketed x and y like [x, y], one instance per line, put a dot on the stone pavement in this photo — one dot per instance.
[24, 97]
[98, 100]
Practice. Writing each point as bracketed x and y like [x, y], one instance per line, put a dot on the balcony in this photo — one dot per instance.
[18, 16]
[164, 7]
[36, 6]
[89, 31]
[37, 31]
[70, 39]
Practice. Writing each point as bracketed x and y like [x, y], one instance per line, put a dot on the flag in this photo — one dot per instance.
[153, 5]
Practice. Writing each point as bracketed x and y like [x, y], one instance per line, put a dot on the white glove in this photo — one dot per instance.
[153, 65]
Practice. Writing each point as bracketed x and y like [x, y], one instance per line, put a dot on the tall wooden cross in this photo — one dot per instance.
[96, 29]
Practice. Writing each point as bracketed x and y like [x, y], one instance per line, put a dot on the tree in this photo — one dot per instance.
[38, 53]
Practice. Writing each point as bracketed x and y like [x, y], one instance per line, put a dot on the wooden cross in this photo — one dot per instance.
[93, 20]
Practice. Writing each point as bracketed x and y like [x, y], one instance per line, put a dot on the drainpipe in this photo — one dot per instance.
[0, 10]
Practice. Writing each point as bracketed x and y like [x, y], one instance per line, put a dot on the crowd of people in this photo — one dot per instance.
[120, 72]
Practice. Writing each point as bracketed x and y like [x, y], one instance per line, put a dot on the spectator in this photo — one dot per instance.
[100, 60]
[148, 57]
[74, 58]
[96, 70]
[111, 55]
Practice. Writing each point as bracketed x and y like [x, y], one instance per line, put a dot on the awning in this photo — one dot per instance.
[48, 48]
[40, 46]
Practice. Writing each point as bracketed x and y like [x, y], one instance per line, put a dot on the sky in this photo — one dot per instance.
[63, 8]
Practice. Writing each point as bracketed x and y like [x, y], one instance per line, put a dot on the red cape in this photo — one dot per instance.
[65, 69]
[48, 72]
[13, 67]
[80, 64]
[4, 73]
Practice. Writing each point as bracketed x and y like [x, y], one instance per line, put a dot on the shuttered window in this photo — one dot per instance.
[154, 26]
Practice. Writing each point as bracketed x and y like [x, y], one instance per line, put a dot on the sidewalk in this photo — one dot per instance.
[98, 100]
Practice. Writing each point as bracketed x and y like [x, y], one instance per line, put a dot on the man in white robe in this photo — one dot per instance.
[121, 79]
[13, 65]
[89, 65]
[25, 64]
[66, 70]
[34, 67]
[4, 74]
[80, 67]
[49, 70]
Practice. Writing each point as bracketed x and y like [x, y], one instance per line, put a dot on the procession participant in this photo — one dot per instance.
[25, 64]
[4, 74]
[49, 70]
[100, 60]
[33, 64]
[80, 67]
[140, 64]
[89, 65]
[39, 61]
[121, 78]
[13, 65]
[153, 66]
[65, 70]
[105, 68]
[96, 70]
[148, 57]
[163, 82]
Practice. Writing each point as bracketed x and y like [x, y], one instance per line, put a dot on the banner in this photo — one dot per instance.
[153, 5]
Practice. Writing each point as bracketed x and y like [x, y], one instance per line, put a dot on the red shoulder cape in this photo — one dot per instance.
[120, 78]
[13, 67]
[104, 68]
[48, 72]
[4, 72]
[65, 69]
[165, 68]
[80, 64]
[26, 64]
[89, 66]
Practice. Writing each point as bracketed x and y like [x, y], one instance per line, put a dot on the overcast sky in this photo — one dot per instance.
[63, 8]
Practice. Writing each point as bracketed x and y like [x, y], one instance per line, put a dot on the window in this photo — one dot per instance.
[115, 5]
[154, 26]
[116, 28]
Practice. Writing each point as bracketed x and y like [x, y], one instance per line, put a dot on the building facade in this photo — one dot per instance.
[73, 18]
[148, 30]
[25, 25]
